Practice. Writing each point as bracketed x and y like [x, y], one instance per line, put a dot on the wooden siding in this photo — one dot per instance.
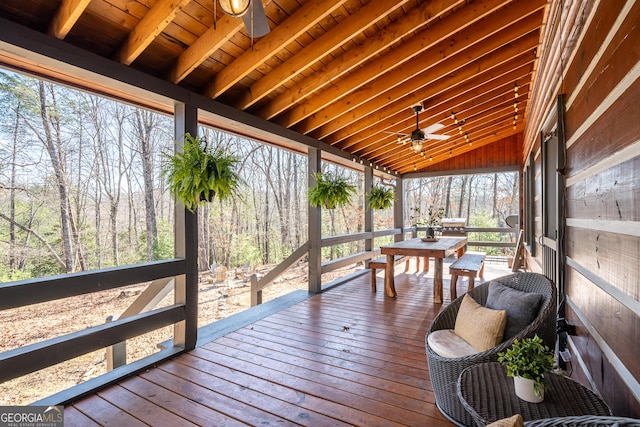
[343, 357]
[597, 66]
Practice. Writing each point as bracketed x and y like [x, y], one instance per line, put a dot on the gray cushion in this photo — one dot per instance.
[521, 307]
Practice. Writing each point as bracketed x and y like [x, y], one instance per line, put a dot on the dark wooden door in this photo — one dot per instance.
[553, 217]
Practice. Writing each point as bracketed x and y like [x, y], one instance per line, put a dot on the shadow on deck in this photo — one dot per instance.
[342, 357]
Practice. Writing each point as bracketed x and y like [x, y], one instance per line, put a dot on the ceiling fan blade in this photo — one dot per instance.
[433, 128]
[437, 136]
[260, 25]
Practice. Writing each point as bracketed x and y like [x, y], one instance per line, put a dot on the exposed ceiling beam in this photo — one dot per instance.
[442, 59]
[304, 18]
[419, 16]
[438, 79]
[343, 32]
[149, 27]
[485, 81]
[364, 78]
[212, 40]
[66, 16]
[459, 99]
[380, 145]
[491, 137]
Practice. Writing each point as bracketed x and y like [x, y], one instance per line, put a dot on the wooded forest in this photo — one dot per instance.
[81, 188]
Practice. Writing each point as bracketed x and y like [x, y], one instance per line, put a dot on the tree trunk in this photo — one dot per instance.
[469, 201]
[463, 187]
[448, 197]
[57, 162]
[495, 196]
[144, 123]
[12, 195]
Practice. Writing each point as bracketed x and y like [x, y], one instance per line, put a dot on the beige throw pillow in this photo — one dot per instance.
[515, 421]
[481, 327]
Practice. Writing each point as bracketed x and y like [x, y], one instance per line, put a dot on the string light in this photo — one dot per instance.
[430, 158]
[453, 116]
[414, 167]
[515, 89]
[515, 105]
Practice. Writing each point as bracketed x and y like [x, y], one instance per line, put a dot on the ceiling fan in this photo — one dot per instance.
[252, 13]
[418, 136]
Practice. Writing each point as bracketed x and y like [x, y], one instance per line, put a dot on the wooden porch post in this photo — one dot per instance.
[186, 244]
[398, 209]
[315, 228]
[368, 212]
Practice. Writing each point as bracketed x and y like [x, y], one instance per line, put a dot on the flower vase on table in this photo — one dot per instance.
[431, 234]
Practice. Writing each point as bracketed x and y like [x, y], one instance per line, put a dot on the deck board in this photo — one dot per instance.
[342, 357]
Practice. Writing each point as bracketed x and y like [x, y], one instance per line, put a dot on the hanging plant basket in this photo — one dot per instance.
[199, 173]
[331, 191]
[380, 197]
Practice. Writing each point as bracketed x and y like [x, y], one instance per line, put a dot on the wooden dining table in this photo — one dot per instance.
[438, 250]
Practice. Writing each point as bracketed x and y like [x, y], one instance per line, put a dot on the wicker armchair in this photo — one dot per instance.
[444, 372]
[586, 421]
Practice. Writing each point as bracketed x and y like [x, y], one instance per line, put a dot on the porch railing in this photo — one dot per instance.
[258, 283]
[34, 357]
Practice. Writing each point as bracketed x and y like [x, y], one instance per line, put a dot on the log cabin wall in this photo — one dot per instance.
[590, 53]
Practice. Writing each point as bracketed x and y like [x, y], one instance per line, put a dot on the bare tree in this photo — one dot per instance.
[143, 125]
[51, 138]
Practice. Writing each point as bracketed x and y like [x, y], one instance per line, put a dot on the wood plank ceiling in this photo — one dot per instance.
[345, 72]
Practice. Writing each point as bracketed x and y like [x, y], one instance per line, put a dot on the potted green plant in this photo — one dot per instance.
[380, 197]
[527, 361]
[330, 191]
[199, 173]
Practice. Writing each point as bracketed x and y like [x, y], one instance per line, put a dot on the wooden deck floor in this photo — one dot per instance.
[343, 357]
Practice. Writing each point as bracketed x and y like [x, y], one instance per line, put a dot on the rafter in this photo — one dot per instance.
[362, 82]
[491, 137]
[66, 16]
[343, 32]
[450, 73]
[212, 40]
[460, 98]
[496, 119]
[442, 59]
[153, 23]
[304, 18]
[378, 146]
[417, 17]
[508, 72]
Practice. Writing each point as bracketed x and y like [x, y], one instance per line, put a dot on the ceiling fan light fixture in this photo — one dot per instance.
[416, 146]
[235, 8]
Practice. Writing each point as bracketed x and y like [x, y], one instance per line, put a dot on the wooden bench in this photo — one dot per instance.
[381, 263]
[471, 264]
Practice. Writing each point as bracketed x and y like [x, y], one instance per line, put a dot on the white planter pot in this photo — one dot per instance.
[524, 390]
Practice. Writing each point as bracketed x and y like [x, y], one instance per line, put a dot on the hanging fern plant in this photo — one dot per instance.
[380, 197]
[331, 191]
[200, 173]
